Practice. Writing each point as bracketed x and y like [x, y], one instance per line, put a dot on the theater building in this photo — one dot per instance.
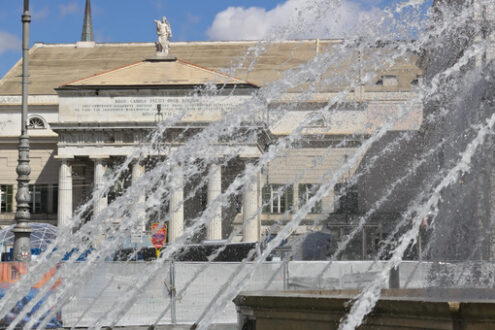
[91, 104]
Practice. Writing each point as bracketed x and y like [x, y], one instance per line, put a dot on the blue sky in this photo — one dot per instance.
[60, 21]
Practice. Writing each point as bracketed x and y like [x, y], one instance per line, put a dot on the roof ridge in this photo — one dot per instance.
[195, 42]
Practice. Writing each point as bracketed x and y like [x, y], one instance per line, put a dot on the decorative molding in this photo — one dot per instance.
[33, 140]
[111, 140]
[95, 137]
[32, 100]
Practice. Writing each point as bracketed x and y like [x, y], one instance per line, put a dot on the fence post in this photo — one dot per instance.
[172, 293]
[394, 279]
[286, 274]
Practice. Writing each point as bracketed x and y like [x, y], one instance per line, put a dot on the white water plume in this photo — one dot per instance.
[158, 182]
[370, 295]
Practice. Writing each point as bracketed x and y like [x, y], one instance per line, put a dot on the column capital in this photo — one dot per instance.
[64, 157]
[99, 157]
[138, 160]
[67, 160]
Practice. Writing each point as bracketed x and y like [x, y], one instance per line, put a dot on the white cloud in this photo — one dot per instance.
[39, 15]
[8, 42]
[294, 19]
[69, 8]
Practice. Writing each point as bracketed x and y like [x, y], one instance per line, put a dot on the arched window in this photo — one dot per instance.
[36, 122]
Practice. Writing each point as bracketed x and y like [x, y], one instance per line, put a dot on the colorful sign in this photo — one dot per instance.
[158, 237]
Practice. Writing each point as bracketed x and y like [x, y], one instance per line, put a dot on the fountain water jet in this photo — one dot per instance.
[160, 179]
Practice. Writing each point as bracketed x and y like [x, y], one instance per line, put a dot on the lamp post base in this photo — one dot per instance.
[22, 242]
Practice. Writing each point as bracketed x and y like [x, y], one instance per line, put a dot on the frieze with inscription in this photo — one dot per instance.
[115, 109]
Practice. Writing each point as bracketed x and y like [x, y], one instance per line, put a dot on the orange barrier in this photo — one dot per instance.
[11, 272]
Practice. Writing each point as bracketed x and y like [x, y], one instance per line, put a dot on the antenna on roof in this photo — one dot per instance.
[87, 30]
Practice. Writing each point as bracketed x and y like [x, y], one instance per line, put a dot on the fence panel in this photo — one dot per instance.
[203, 282]
[198, 284]
[414, 274]
[104, 289]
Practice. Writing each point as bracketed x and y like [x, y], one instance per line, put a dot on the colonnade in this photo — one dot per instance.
[251, 199]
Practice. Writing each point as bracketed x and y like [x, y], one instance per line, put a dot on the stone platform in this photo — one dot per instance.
[397, 309]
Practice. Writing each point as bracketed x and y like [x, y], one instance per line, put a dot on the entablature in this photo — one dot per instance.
[124, 137]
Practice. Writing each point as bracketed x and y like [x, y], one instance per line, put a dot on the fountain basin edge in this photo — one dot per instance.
[472, 309]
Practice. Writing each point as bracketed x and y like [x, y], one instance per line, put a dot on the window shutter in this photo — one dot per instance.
[8, 198]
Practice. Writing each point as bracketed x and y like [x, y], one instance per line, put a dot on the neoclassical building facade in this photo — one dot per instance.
[92, 104]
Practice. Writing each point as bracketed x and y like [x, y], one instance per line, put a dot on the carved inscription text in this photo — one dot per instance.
[144, 108]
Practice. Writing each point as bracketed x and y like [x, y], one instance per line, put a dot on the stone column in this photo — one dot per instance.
[64, 193]
[214, 228]
[99, 181]
[137, 172]
[176, 208]
[251, 210]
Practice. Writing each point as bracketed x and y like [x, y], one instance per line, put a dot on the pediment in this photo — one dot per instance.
[148, 73]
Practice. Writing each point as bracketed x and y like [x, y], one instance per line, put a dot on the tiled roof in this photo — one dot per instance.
[54, 65]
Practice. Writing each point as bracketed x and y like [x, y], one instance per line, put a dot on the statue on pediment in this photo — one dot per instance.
[164, 33]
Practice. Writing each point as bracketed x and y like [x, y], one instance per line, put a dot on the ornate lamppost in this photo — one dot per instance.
[22, 230]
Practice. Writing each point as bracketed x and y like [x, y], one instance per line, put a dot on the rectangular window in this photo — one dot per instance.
[39, 198]
[6, 198]
[306, 192]
[277, 198]
[346, 199]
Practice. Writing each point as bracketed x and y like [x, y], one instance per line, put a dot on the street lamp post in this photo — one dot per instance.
[22, 230]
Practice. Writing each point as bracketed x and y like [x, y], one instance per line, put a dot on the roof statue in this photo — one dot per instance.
[164, 34]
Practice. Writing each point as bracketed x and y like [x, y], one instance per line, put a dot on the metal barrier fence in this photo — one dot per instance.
[183, 290]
